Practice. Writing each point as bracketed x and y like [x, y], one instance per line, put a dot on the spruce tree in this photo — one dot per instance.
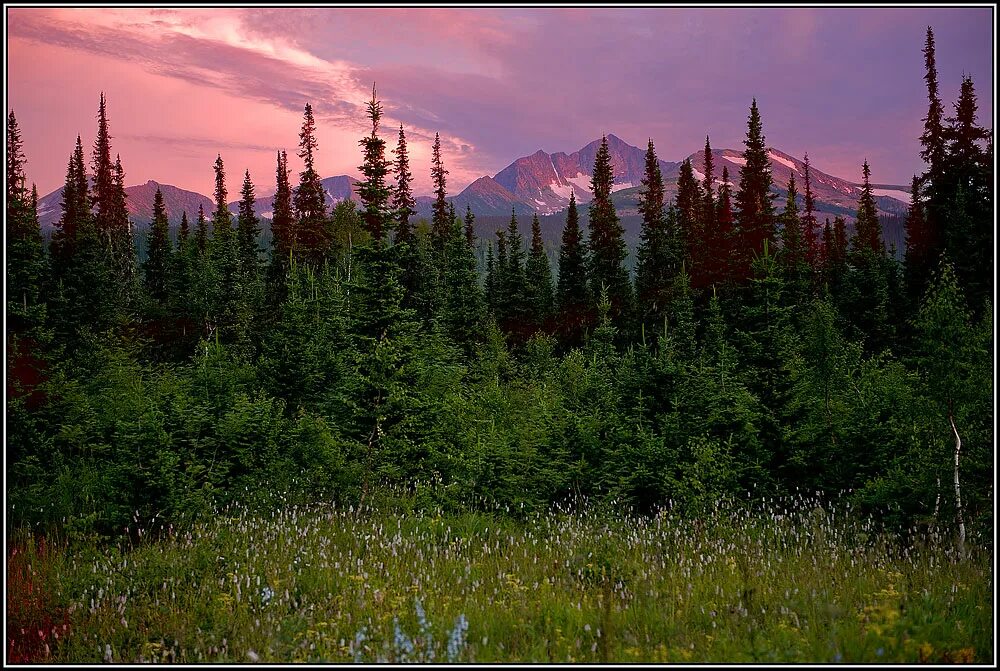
[402, 197]
[440, 221]
[247, 232]
[867, 236]
[464, 304]
[26, 263]
[653, 262]
[794, 252]
[725, 244]
[158, 252]
[514, 297]
[688, 203]
[312, 240]
[490, 282]
[606, 238]
[539, 278]
[104, 181]
[375, 194]
[810, 227]
[573, 299]
[282, 217]
[184, 231]
[918, 257]
[754, 206]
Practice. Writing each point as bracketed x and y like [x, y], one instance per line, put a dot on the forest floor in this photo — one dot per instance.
[795, 582]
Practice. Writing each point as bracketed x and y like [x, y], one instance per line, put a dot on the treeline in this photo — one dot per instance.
[753, 350]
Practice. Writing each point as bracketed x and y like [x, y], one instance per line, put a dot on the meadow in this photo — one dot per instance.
[800, 579]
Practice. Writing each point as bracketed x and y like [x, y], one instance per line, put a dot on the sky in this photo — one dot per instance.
[183, 85]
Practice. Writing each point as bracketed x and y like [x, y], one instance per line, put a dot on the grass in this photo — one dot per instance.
[798, 581]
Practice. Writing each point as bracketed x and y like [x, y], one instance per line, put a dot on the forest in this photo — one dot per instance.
[370, 360]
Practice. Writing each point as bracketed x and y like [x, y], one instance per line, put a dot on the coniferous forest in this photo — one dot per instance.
[763, 390]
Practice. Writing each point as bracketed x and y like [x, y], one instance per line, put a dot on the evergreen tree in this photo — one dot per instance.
[158, 254]
[606, 238]
[26, 263]
[918, 250]
[75, 209]
[725, 239]
[463, 300]
[794, 252]
[375, 194]
[282, 218]
[867, 230]
[402, 197]
[688, 203]
[810, 228]
[440, 221]
[933, 138]
[572, 298]
[539, 278]
[312, 239]
[222, 222]
[708, 206]
[104, 180]
[515, 311]
[247, 232]
[184, 232]
[654, 270]
[490, 282]
[754, 207]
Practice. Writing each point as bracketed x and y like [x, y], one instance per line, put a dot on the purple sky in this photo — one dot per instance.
[843, 84]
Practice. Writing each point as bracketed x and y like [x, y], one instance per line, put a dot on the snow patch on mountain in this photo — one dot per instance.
[581, 181]
[623, 185]
[738, 160]
[779, 159]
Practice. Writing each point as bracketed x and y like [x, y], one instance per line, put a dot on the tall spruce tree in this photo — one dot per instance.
[654, 270]
[247, 232]
[515, 310]
[573, 299]
[470, 227]
[158, 252]
[810, 227]
[867, 236]
[917, 258]
[310, 199]
[606, 241]
[104, 180]
[539, 278]
[724, 240]
[441, 219]
[402, 197]
[201, 231]
[754, 206]
[26, 263]
[374, 192]
[794, 253]
[282, 217]
[688, 203]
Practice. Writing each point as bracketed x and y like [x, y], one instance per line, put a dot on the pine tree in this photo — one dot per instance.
[440, 221]
[810, 228]
[75, 209]
[247, 232]
[104, 182]
[754, 207]
[158, 253]
[282, 218]
[654, 270]
[26, 263]
[794, 253]
[573, 299]
[725, 243]
[708, 206]
[375, 194]
[222, 223]
[688, 204]
[312, 240]
[513, 295]
[918, 251]
[933, 137]
[490, 282]
[402, 197]
[606, 239]
[184, 231]
[539, 278]
[968, 226]
[867, 235]
[463, 301]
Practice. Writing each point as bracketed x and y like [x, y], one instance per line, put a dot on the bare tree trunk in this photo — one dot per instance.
[958, 490]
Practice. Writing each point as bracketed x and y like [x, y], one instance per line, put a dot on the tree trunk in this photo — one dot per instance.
[958, 490]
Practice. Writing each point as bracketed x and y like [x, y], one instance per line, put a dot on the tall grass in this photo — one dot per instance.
[800, 579]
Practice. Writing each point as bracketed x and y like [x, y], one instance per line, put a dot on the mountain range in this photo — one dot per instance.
[540, 183]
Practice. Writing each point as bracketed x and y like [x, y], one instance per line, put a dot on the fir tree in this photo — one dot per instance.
[402, 197]
[688, 204]
[375, 194]
[539, 278]
[282, 217]
[810, 232]
[794, 253]
[572, 298]
[441, 221]
[867, 236]
[26, 264]
[222, 222]
[158, 252]
[918, 251]
[490, 282]
[104, 181]
[606, 239]
[724, 240]
[653, 263]
[184, 232]
[310, 200]
[247, 232]
[754, 207]
[515, 311]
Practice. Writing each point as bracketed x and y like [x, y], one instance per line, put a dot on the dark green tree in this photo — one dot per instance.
[375, 194]
[754, 206]
[539, 278]
[312, 240]
[247, 233]
[606, 242]
[654, 266]
[158, 252]
[573, 298]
